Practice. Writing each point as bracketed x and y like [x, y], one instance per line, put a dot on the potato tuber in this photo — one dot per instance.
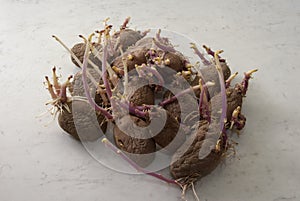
[126, 80]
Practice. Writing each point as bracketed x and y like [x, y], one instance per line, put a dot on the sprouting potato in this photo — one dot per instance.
[105, 86]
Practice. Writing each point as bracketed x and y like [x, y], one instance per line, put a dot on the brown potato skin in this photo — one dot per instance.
[234, 99]
[138, 55]
[174, 108]
[87, 125]
[78, 49]
[168, 133]
[176, 61]
[186, 164]
[133, 56]
[139, 150]
[76, 87]
[128, 37]
[125, 38]
[170, 137]
[143, 95]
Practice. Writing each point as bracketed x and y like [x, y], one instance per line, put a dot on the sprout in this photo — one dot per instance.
[135, 166]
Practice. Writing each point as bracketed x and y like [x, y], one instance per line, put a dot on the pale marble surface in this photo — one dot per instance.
[40, 163]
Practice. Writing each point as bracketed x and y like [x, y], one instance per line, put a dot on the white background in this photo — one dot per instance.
[39, 162]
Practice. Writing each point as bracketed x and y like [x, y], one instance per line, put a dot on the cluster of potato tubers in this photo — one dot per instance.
[122, 81]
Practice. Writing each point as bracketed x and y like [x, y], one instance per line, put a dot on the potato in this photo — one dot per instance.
[140, 147]
[186, 164]
[86, 124]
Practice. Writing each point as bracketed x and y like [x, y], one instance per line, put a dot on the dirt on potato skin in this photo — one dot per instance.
[186, 164]
[87, 121]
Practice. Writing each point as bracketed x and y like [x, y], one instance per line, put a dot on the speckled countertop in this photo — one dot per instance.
[39, 162]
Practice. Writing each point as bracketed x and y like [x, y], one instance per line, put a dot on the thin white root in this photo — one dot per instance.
[98, 54]
[194, 192]
[109, 69]
[88, 42]
[183, 193]
[75, 57]
[42, 114]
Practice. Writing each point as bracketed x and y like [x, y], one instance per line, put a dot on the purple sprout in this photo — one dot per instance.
[136, 166]
[174, 98]
[223, 96]
[245, 82]
[163, 43]
[86, 86]
[200, 55]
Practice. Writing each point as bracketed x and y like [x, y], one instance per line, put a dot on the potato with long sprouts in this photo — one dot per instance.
[123, 79]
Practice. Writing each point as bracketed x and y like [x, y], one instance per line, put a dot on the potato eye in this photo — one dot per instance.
[120, 143]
